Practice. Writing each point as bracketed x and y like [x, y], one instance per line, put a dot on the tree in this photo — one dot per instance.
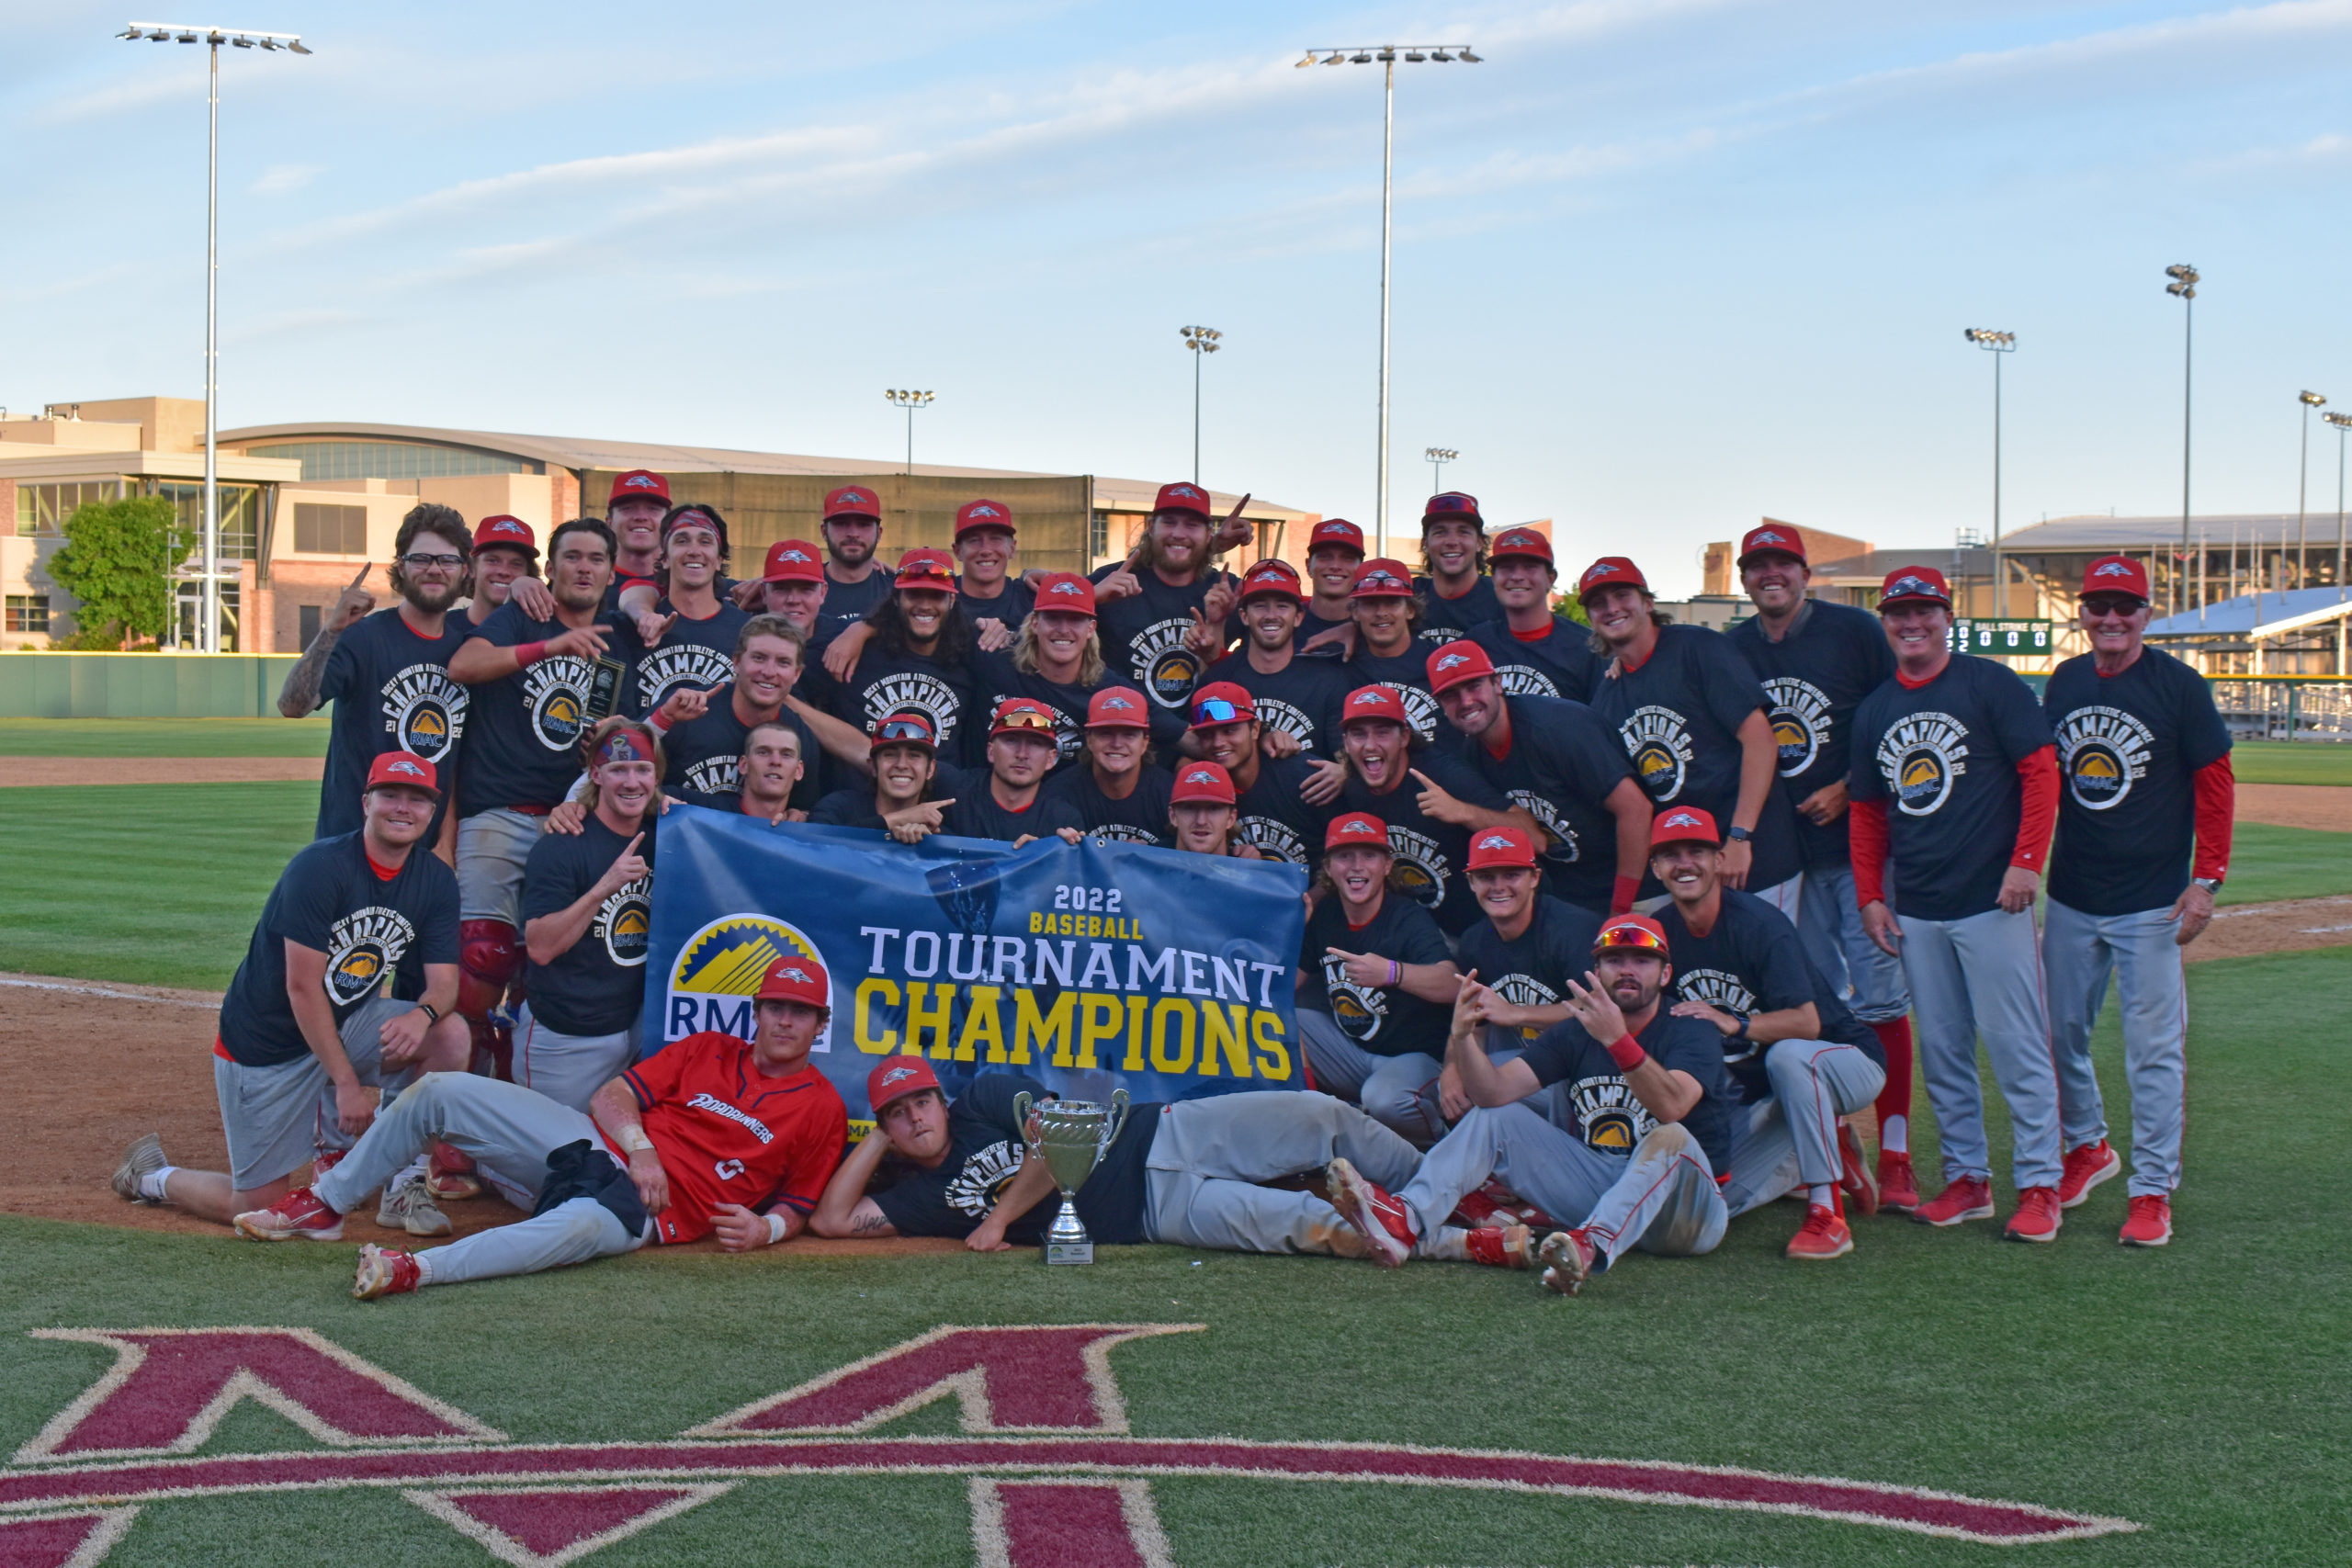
[117, 560]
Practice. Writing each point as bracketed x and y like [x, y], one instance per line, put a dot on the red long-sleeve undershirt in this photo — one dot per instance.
[2037, 815]
[2217, 803]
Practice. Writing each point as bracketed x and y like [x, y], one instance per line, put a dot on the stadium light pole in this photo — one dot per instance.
[1998, 345]
[909, 401]
[1388, 55]
[2342, 424]
[207, 635]
[1201, 341]
[2182, 287]
[2302, 480]
[1438, 457]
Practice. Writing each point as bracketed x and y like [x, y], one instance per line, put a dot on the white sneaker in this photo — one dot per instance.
[407, 1205]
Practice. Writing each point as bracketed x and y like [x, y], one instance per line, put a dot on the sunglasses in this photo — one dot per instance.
[2112, 603]
[1218, 710]
[1629, 935]
[912, 729]
[1021, 718]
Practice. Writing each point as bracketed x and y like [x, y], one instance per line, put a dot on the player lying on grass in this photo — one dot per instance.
[1186, 1173]
[309, 1031]
[719, 1136]
[1648, 1092]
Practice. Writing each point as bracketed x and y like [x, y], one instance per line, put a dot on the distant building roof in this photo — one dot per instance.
[2125, 534]
[2258, 614]
[1974, 561]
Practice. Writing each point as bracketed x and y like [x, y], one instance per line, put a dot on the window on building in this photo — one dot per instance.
[324, 530]
[43, 508]
[28, 612]
[308, 619]
[1098, 536]
[390, 460]
[240, 513]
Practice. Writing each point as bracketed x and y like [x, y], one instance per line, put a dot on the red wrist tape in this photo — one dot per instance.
[1622, 894]
[529, 653]
[1627, 1052]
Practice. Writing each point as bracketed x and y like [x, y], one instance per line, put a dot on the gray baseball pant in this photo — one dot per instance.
[2079, 952]
[277, 1119]
[1982, 975]
[1790, 1137]
[493, 847]
[1388, 1087]
[1200, 1179]
[1831, 926]
[509, 1130]
[1662, 1198]
[568, 1068]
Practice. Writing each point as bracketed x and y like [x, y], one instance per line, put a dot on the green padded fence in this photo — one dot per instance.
[40, 685]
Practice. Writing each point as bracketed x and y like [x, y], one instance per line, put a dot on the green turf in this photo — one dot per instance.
[2291, 762]
[164, 737]
[2199, 1391]
[2267, 862]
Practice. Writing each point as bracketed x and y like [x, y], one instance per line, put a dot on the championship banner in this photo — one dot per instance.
[1088, 967]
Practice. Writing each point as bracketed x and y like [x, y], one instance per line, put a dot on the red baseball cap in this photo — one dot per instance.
[1500, 847]
[853, 500]
[794, 561]
[405, 767]
[975, 515]
[1915, 584]
[1610, 571]
[1453, 503]
[512, 532]
[894, 1077]
[1270, 577]
[1639, 933]
[923, 566]
[1683, 825]
[1356, 829]
[1181, 497]
[1373, 702]
[1066, 592]
[1222, 702]
[2116, 574]
[1382, 577]
[1458, 662]
[907, 727]
[1203, 781]
[1525, 542]
[1335, 531]
[1773, 539]
[1022, 716]
[793, 978]
[638, 484]
[1116, 707]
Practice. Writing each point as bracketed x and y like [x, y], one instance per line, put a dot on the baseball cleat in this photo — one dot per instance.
[2085, 1169]
[407, 1205]
[1501, 1247]
[383, 1273]
[2038, 1217]
[1854, 1178]
[298, 1213]
[452, 1178]
[2150, 1223]
[1964, 1198]
[1387, 1230]
[1822, 1237]
[1568, 1261]
[141, 1159]
[1898, 1189]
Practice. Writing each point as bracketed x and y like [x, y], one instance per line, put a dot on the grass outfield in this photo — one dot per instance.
[2291, 762]
[2197, 1391]
[164, 737]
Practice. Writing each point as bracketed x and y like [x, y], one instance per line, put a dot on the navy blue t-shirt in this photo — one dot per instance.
[1142, 644]
[391, 692]
[1011, 605]
[1407, 674]
[2129, 746]
[984, 1153]
[977, 813]
[883, 683]
[1558, 664]
[524, 730]
[1301, 699]
[692, 655]
[1385, 1021]
[597, 985]
[1140, 817]
[1431, 853]
[995, 678]
[1276, 819]
[849, 601]
[1449, 620]
[703, 758]
[330, 900]
[1814, 678]
[1534, 969]
[1608, 1119]
[1562, 765]
[1678, 718]
[1945, 757]
[1751, 961]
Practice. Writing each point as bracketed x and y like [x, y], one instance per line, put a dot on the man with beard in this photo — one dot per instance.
[1297, 697]
[855, 583]
[994, 599]
[686, 640]
[1270, 793]
[1555, 760]
[1457, 595]
[1536, 653]
[1008, 801]
[771, 768]
[1691, 715]
[1431, 802]
[641, 499]
[529, 711]
[919, 657]
[1386, 615]
[1056, 659]
[1119, 795]
[587, 912]
[902, 798]
[505, 551]
[1152, 607]
[388, 674]
[1646, 1094]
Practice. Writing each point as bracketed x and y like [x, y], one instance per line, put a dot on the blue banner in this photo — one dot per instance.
[1087, 966]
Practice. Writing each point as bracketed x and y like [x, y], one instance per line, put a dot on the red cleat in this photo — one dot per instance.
[1501, 1247]
[1969, 1197]
[450, 1178]
[2150, 1223]
[1388, 1229]
[1898, 1189]
[383, 1273]
[2085, 1169]
[1854, 1178]
[1823, 1235]
[1570, 1260]
[2038, 1217]
[298, 1213]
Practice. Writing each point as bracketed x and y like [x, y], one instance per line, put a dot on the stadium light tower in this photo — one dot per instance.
[2302, 480]
[2342, 424]
[1438, 457]
[1201, 341]
[1999, 345]
[909, 401]
[207, 635]
[2182, 287]
[1388, 55]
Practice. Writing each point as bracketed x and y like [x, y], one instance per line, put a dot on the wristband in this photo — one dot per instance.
[529, 653]
[1626, 1051]
[1395, 972]
[432, 1014]
[775, 1229]
[1621, 896]
[634, 1140]
[1741, 1033]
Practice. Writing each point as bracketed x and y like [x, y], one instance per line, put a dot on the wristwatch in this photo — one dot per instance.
[2210, 883]
[1737, 834]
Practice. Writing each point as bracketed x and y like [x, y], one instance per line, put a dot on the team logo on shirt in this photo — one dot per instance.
[424, 711]
[677, 666]
[2103, 751]
[927, 694]
[625, 921]
[719, 971]
[1359, 1011]
[1527, 991]
[1524, 681]
[1162, 665]
[1658, 741]
[555, 693]
[1420, 708]
[1276, 714]
[1800, 716]
[1724, 993]
[363, 949]
[1274, 837]
[1422, 867]
[983, 1176]
[1612, 1120]
[1562, 847]
[1919, 756]
[715, 775]
[1123, 833]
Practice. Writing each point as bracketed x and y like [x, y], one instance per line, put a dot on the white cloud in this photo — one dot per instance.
[283, 179]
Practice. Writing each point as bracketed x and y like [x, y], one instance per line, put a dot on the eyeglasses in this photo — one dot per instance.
[912, 729]
[1023, 718]
[1629, 935]
[418, 562]
[1218, 710]
[2112, 603]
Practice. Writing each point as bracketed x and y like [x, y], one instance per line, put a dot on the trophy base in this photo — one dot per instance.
[1070, 1252]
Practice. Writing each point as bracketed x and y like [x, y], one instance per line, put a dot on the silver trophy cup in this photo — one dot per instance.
[1071, 1136]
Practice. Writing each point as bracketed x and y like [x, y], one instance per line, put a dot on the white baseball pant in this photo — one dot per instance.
[2079, 952]
[1982, 975]
[1208, 1156]
[1790, 1137]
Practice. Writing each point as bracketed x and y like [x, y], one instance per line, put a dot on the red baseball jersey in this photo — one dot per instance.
[726, 1135]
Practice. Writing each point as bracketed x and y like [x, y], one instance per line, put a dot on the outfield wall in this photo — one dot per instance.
[43, 684]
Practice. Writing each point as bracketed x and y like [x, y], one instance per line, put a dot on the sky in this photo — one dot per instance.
[1660, 268]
